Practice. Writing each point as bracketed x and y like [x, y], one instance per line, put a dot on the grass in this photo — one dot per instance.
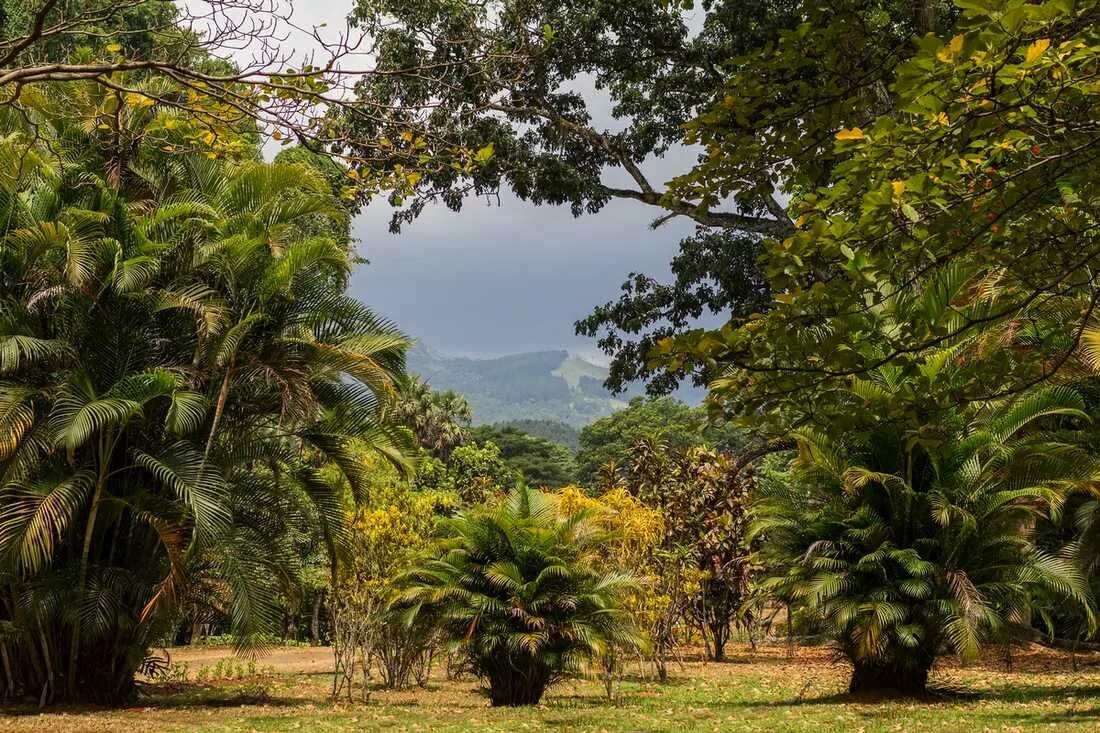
[762, 691]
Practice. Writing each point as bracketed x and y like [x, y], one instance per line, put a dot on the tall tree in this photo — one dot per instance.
[963, 186]
[178, 365]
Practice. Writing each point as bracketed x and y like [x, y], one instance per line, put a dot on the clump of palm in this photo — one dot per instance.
[184, 385]
[906, 544]
[440, 420]
[516, 589]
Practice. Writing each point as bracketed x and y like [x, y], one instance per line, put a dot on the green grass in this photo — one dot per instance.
[752, 694]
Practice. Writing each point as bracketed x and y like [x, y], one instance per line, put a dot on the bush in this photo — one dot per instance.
[517, 590]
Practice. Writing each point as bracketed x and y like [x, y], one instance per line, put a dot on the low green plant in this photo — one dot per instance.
[518, 591]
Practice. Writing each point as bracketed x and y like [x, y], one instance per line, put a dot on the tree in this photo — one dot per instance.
[664, 582]
[540, 462]
[973, 191]
[440, 420]
[178, 364]
[387, 533]
[666, 420]
[912, 539]
[515, 588]
[553, 430]
[575, 116]
[475, 473]
[703, 499]
[716, 274]
[550, 141]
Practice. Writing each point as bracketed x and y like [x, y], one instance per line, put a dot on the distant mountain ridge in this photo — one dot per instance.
[537, 385]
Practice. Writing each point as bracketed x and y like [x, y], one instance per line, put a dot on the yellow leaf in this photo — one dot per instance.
[1036, 49]
[951, 50]
[113, 47]
[854, 134]
[898, 188]
[135, 99]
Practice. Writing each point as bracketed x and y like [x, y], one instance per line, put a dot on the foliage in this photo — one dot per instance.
[911, 539]
[474, 472]
[178, 362]
[703, 500]
[576, 116]
[716, 274]
[515, 588]
[664, 419]
[540, 462]
[440, 420]
[960, 218]
[551, 142]
[665, 581]
[386, 534]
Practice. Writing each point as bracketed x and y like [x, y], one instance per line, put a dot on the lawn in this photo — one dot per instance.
[761, 691]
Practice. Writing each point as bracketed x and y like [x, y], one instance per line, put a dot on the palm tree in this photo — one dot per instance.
[516, 589]
[906, 543]
[440, 420]
[183, 385]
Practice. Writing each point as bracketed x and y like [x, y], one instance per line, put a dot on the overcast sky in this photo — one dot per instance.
[492, 279]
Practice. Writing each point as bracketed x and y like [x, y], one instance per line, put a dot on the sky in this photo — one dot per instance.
[493, 280]
[500, 279]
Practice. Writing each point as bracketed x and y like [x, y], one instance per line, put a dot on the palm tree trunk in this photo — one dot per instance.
[85, 553]
[909, 677]
[219, 408]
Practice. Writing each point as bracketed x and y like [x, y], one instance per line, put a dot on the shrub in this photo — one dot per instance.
[519, 592]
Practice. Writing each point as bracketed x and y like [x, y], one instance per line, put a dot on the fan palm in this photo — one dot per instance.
[440, 420]
[906, 542]
[183, 383]
[517, 590]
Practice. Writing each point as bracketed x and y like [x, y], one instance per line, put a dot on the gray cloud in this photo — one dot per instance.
[500, 279]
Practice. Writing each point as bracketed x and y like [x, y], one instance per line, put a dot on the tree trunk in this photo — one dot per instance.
[514, 686]
[315, 619]
[906, 678]
[720, 634]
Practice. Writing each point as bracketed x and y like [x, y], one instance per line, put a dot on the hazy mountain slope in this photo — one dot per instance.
[540, 385]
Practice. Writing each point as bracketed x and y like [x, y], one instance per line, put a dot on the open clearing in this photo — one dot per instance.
[754, 691]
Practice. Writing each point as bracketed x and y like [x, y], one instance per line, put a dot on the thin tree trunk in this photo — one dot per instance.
[315, 620]
[85, 553]
[223, 397]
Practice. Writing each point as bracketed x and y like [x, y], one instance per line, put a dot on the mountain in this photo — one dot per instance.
[538, 385]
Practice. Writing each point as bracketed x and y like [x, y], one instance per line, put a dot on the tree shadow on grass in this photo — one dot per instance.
[938, 695]
[181, 696]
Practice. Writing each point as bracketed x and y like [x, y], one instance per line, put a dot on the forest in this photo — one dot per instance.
[226, 502]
